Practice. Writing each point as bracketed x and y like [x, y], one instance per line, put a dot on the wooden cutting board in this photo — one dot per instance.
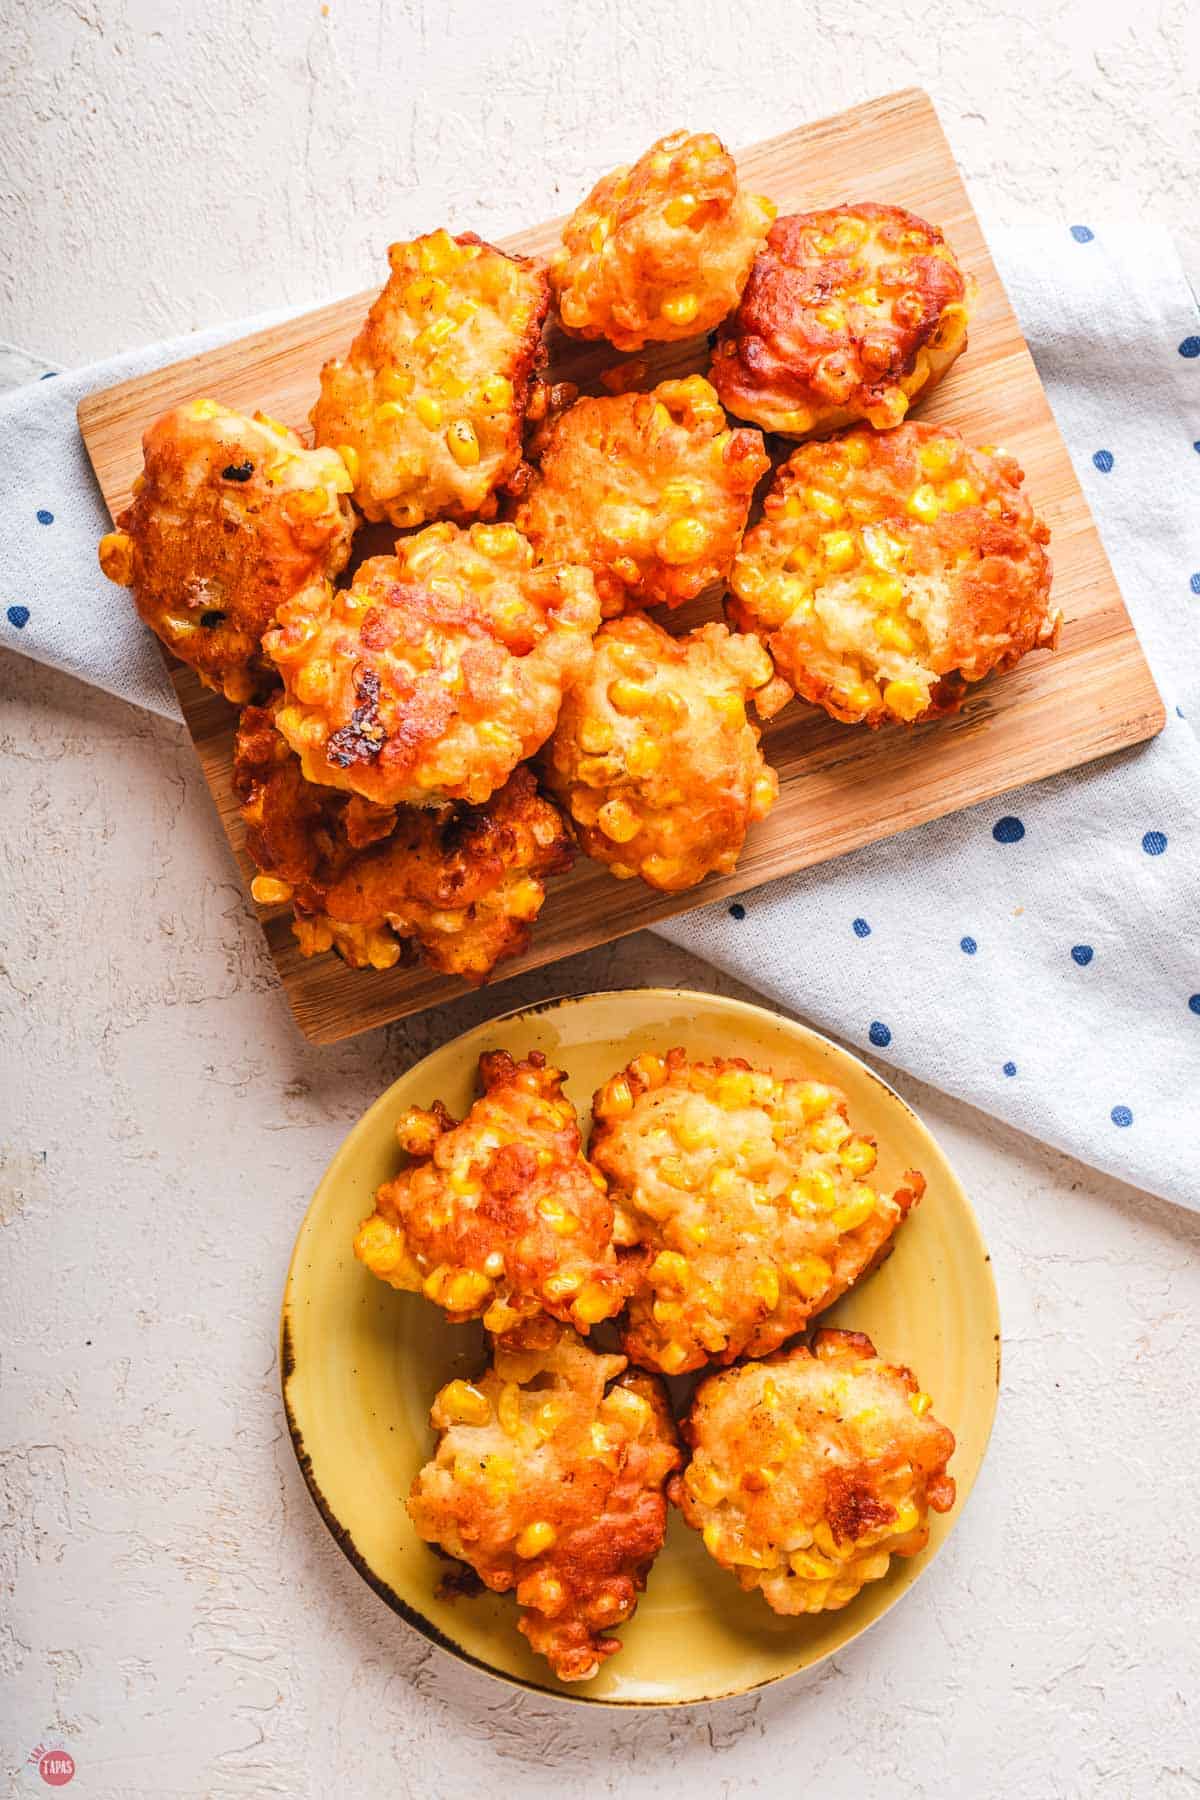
[841, 787]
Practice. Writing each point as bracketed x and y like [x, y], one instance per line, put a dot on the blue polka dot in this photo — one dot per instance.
[18, 616]
[1194, 582]
[1179, 713]
[49, 375]
[1082, 234]
[1121, 1115]
[879, 1035]
[1010, 1068]
[1082, 954]
[1008, 830]
[1103, 460]
[1196, 446]
[861, 928]
[968, 946]
[44, 517]
[737, 910]
[1154, 843]
[1194, 1003]
[1190, 347]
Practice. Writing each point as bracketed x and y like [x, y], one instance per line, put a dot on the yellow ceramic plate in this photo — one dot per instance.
[361, 1362]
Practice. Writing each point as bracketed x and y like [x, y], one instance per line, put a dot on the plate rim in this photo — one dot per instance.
[342, 1535]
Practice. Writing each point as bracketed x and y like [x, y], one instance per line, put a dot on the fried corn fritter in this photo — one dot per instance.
[660, 250]
[501, 1215]
[548, 1478]
[437, 671]
[428, 405]
[654, 757]
[459, 884]
[848, 314]
[651, 491]
[743, 1205]
[230, 518]
[889, 571]
[811, 1470]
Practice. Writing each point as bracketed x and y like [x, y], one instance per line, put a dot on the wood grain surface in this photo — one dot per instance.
[840, 787]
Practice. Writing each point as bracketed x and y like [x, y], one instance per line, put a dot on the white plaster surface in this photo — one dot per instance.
[173, 1610]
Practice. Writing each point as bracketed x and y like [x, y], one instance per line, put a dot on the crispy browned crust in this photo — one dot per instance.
[848, 314]
[460, 884]
[741, 1207]
[843, 553]
[660, 250]
[654, 757]
[437, 671]
[480, 374]
[563, 1448]
[810, 1470]
[501, 1215]
[230, 518]
[650, 491]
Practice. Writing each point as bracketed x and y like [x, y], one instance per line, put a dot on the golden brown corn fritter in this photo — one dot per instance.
[654, 756]
[848, 314]
[428, 405]
[548, 1478]
[650, 491]
[659, 250]
[437, 670]
[230, 518]
[742, 1205]
[501, 1216]
[459, 884]
[891, 570]
[811, 1470]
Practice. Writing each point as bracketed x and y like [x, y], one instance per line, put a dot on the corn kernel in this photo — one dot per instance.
[616, 1100]
[428, 410]
[651, 1068]
[924, 504]
[920, 1403]
[907, 1516]
[594, 1303]
[268, 890]
[563, 1286]
[464, 1291]
[508, 1408]
[395, 384]
[811, 1567]
[462, 1403]
[765, 1284]
[680, 309]
[667, 1312]
[905, 698]
[497, 393]
[683, 540]
[894, 636]
[839, 549]
[628, 696]
[828, 505]
[678, 211]
[500, 1317]
[824, 1191]
[435, 1281]
[857, 1209]
[723, 1183]
[463, 443]
[733, 1088]
[937, 457]
[957, 494]
[704, 1483]
[859, 1156]
[535, 1539]
[672, 1357]
[694, 1129]
[390, 410]
[349, 456]
[618, 821]
[670, 1269]
[809, 1276]
[116, 557]
[493, 1264]
[643, 758]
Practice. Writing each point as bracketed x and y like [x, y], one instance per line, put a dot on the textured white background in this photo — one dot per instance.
[173, 1609]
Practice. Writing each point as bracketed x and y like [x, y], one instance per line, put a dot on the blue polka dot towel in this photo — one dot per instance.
[1038, 956]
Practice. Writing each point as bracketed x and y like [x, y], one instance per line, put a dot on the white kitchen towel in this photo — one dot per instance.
[1038, 955]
